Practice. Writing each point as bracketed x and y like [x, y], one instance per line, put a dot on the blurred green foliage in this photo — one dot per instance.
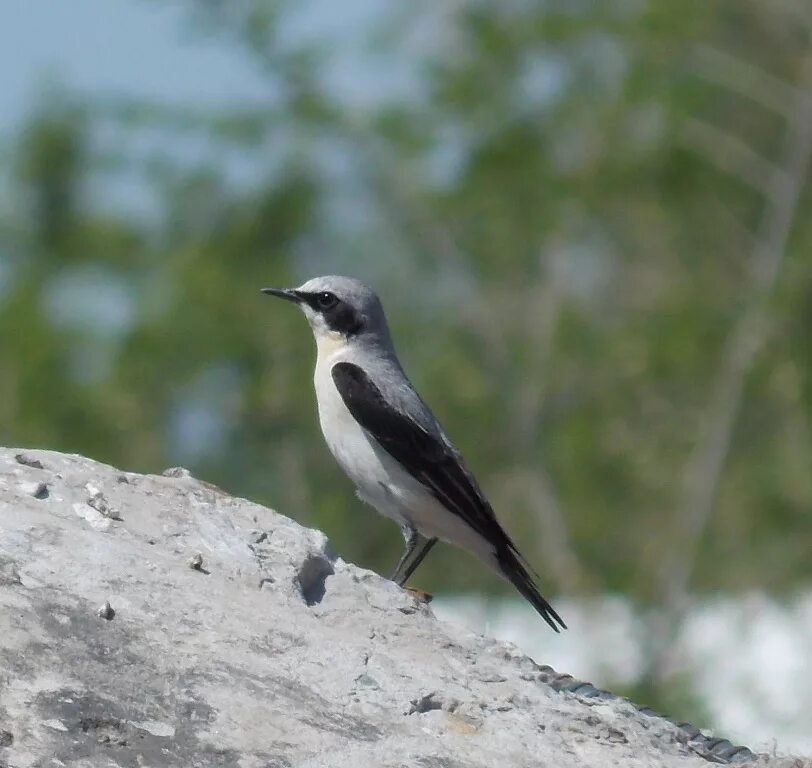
[563, 221]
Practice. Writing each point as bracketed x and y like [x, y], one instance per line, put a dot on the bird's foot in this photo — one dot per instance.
[419, 595]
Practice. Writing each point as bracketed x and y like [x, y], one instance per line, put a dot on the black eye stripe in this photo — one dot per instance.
[338, 315]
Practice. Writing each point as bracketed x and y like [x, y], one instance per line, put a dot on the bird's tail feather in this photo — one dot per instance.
[518, 574]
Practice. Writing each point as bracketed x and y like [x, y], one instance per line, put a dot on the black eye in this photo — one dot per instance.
[326, 300]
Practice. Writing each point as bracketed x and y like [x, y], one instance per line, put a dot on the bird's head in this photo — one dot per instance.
[337, 308]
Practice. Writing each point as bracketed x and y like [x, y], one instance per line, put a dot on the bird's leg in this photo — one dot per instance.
[410, 537]
[418, 558]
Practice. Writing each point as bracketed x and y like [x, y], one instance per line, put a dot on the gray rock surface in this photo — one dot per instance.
[157, 621]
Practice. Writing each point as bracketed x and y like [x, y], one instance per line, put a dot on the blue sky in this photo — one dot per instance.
[148, 48]
[114, 46]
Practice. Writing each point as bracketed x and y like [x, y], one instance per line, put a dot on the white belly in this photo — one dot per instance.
[381, 481]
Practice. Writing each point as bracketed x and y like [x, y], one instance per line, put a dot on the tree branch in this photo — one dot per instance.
[706, 463]
[730, 154]
[727, 71]
[796, 11]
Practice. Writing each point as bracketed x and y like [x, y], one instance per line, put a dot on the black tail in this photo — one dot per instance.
[518, 575]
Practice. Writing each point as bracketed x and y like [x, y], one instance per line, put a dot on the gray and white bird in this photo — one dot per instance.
[389, 443]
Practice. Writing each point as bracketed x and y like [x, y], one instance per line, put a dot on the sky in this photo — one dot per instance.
[114, 46]
[149, 48]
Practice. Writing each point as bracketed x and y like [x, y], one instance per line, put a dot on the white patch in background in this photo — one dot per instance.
[748, 658]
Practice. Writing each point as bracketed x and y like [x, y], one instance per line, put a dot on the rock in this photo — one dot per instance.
[282, 655]
[28, 460]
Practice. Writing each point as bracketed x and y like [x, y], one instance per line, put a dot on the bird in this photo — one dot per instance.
[389, 443]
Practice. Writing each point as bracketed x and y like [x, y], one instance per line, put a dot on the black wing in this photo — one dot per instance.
[440, 468]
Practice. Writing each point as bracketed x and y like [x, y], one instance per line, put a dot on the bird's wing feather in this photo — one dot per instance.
[439, 467]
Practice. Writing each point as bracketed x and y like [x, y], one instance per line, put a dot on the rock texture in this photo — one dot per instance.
[157, 621]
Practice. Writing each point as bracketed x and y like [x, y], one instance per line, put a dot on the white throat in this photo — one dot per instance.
[330, 344]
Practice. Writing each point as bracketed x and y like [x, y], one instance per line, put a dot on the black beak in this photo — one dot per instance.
[283, 293]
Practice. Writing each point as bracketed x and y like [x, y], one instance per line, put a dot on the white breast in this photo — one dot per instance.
[381, 481]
